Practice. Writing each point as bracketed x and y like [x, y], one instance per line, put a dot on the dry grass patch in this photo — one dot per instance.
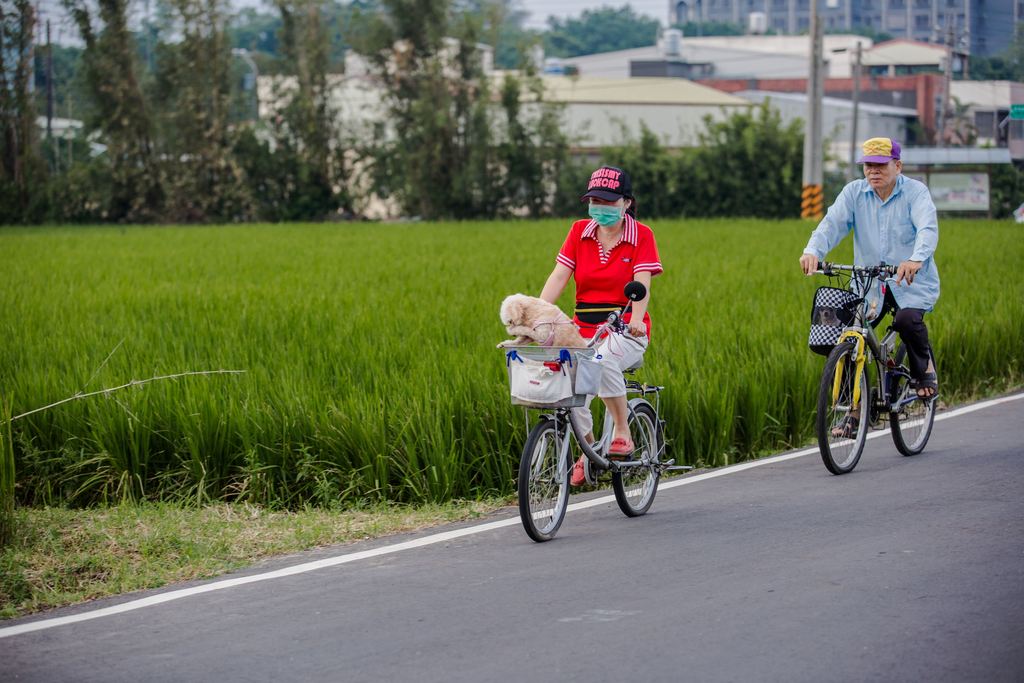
[62, 557]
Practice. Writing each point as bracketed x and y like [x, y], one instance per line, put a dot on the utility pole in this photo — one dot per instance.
[49, 83]
[812, 200]
[947, 76]
[856, 107]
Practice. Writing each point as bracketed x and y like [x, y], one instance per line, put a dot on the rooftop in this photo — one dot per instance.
[904, 53]
[835, 102]
[675, 91]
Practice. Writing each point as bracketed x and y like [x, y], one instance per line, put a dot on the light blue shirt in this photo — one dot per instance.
[902, 228]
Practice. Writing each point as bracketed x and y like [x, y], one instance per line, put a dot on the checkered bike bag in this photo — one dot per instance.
[832, 310]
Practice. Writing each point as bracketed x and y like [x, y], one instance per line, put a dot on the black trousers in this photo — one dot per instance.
[909, 323]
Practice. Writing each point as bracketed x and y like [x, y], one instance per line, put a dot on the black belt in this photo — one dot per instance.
[595, 314]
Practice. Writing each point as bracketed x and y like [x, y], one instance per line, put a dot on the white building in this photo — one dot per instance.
[750, 56]
[597, 112]
[604, 111]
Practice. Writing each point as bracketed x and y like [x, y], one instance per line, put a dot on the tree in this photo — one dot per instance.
[65, 65]
[599, 30]
[434, 154]
[22, 172]
[132, 189]
[958, 128]
[875, 35]
[747, 165]
[204, 180]
[311, 178]
[539, 173]
[255, 31]
[654, 170]
[710, 28]
[503, 27]
[450, 146]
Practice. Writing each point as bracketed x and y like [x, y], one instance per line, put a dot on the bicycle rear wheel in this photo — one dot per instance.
[635, 487]
[543, 483]
[842, 426]
[911, 423]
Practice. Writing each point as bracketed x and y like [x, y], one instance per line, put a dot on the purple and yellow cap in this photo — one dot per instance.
[879, 151]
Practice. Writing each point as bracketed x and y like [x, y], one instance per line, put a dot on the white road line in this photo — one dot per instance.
[433, 539]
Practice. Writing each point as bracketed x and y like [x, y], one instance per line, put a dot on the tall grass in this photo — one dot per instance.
[368, 350]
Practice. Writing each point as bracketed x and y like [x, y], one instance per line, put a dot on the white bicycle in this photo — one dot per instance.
[547, 459]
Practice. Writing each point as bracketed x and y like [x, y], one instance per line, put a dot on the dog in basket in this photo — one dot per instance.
[532, 319]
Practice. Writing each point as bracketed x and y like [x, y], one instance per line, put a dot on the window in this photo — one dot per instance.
[985, 123]
[922, 22]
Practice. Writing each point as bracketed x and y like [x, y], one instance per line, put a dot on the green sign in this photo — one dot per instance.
[1017, 111]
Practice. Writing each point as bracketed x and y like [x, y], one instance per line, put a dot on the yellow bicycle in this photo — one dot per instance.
[865, 379]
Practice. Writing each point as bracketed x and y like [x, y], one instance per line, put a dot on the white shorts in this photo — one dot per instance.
[616, 353]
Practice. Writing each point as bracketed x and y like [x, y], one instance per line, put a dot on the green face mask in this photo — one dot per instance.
[605, 215]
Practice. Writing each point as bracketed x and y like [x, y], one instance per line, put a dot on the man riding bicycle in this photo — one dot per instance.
[893, 221]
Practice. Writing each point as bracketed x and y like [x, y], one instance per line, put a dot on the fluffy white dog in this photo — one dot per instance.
[534, 320]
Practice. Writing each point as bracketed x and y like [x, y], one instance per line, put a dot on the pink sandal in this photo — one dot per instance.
[579, 475]
[623, 448]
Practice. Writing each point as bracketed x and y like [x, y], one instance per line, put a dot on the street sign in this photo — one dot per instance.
[1017, 112]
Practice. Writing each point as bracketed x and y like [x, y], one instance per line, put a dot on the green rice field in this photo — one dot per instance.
[368, 351]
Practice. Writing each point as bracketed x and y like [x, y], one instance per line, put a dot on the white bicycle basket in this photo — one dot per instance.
[544, 377]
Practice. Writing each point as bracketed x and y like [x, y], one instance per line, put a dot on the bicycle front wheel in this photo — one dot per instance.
[842, 426]
[912, 421]
[543, 483]
[635, 487]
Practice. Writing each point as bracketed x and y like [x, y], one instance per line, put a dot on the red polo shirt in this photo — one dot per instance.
[601, 276]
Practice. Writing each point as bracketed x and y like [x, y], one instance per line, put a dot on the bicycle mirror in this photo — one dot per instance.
[635, 291]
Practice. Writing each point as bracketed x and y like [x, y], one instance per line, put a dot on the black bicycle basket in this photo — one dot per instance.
[832, 310]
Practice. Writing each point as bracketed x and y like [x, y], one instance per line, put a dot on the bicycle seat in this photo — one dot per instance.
[634, 368]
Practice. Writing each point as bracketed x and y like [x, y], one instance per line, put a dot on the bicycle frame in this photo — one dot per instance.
[595, 452]
[868, 348]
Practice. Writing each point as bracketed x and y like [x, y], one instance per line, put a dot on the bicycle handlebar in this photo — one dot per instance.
[634, 291]
[882, 269]
[613, 323]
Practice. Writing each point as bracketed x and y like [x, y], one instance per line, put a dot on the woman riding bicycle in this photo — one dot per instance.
[604, 253]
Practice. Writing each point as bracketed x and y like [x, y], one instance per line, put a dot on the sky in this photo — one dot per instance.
[538, 10]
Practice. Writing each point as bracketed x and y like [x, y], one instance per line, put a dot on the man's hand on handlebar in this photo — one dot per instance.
[809, 263]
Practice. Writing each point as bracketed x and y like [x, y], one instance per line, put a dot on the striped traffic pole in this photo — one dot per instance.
[812, 202]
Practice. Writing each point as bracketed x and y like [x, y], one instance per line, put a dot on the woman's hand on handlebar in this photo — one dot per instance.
[636, 328]
[809, 264]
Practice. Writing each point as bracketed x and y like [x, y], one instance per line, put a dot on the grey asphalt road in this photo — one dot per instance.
[908, 569]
